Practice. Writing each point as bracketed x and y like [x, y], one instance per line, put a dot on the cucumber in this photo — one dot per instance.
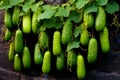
[38, 58]
[100, 21]
[84, 38]
[104, 40]
[19, 41]
[60, 62]
[81, 71]
[67, 32]
[92, 50]
[8, 35]
[56, 43]
[26, 58]
[17, 63]
[26, 23]
[88, 20]
[11, 52]
[16, 15]
[46, 66]
[8, 19]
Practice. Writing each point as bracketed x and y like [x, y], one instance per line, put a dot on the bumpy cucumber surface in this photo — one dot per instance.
[26, 58]
[18, 41]
[46, 66]
[8, 19]
[92, 50]
[56, 43]
[60, 62]
[67, 32]
[81, 71]
[100, 21]
[27, 23]
[11, 52]
[16, 15]
[84, 38]
[38, 57]
[8, 35]
[104, 40]
[17, 63]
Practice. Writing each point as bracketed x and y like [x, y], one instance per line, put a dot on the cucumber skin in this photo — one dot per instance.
[38, 58]
[81, 71]
[100, 21]
[46, 66]
[67, 32]
[8, 19]
[104, 40]
[56, 43]
[27, 23]
[17, 63]
[19, 41]
[26, 58]
[92, 50]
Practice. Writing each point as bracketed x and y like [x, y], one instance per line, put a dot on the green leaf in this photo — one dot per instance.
[63, 11]
[15, 2]
[28, 5]
[90, 8]
[53, 22]
[48, 12]
[77, 31]
[73, 44]
[75, 16]
[101, 2]
[4, 4]
[112, 7]
[81, 3]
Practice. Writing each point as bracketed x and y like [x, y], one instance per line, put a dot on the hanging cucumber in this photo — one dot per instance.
[26, 23]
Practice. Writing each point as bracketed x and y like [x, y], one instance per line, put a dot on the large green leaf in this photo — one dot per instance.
[53, 22]
[63, 11]
[77, 31]
[28, 5]
[90, 8]
[81, 3]
[75, 16]
[15, 2]
[101, 2]
[112, 7]
[47, 13]
[72, 45]
[4, 4]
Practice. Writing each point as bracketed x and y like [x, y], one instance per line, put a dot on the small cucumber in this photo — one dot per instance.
[11, 52]
[46, 66]
[92, 50]
[60, 62]
[26, 58]
[8, 19]
[8, 35]
[56, 43]
[100, 21]
[17, 63]
[19, 41]
[67, 32]
[38, 58]
[104, 40]
[81, 71]
[26, 23]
